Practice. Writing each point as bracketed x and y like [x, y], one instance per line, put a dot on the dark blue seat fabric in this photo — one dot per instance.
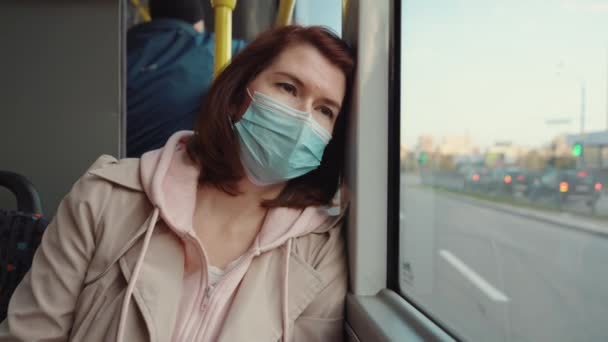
[20, 235]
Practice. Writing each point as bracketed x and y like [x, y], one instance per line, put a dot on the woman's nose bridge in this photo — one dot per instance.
[305, 104]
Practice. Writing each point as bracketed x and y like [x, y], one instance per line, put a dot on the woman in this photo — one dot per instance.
[220, 235]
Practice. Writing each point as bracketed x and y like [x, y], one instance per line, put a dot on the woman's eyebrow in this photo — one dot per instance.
[292, 77]
[300, 83]
[331, 102]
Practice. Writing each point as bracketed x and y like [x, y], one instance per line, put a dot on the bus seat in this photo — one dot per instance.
[20, 234]
[28, 200]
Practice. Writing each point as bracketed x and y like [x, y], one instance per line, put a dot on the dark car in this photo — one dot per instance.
[584, 183]
[524, 181]
[478, 179]
[565, 185]
[505, 180]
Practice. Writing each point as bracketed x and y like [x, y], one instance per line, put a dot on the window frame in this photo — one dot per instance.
[373, 312]
[393, 257]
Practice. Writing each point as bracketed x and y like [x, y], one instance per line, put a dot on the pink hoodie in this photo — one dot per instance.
[170, 182]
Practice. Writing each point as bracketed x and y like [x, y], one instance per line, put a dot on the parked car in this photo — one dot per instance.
[524, 182]
[503, 180]
[478, 179]
[566, 185]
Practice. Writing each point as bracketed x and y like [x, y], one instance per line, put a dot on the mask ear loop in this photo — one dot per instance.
[231, 121]
[230, 115]
[249, 93]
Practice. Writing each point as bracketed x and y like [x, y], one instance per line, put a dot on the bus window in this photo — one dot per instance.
[320, 12]
[504, 166]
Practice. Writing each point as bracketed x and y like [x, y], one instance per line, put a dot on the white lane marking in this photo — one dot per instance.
[482, 284]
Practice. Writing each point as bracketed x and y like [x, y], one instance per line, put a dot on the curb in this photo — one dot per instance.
[582, 226]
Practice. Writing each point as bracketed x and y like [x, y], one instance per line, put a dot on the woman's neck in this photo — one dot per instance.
[234, 212]
[228, 225]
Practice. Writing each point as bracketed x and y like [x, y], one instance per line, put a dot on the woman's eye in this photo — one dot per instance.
[288, 88]
[327, 112]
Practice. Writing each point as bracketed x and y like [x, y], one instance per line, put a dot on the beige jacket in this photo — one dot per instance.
[79, 276]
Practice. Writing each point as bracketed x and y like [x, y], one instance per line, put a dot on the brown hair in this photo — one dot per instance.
[215, 146]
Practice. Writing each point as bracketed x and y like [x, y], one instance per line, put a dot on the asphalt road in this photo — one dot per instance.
[493, 276]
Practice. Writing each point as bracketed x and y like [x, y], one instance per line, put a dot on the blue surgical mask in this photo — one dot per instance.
[278, 142]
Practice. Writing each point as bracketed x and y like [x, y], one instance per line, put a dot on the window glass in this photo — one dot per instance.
[504, 167]
[320, 12]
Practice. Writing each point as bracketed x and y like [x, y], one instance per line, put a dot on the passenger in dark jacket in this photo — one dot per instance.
[169, 70]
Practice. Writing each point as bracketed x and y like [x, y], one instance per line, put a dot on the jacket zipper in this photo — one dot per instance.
[210, 298]
[208, 291]
[202, 286]
[204, 304]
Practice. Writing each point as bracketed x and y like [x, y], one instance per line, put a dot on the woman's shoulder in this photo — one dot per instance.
[99, 180]
[122, 172]
[110, 204]
[324, 250]
[109, 190]
[325, 243]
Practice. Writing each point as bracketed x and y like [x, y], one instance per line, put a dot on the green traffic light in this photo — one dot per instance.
[577, 150]
[423, 158]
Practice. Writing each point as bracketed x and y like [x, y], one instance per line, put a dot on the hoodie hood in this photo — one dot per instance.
[170, 180]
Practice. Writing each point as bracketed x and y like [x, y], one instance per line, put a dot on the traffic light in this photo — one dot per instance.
[423, 158]
[577, 149]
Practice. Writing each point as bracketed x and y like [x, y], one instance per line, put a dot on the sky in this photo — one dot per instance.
[497, 70]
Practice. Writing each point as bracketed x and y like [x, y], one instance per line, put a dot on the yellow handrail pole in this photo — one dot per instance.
[143, 12]
[285, 12]
[344, 9]
[223, 33]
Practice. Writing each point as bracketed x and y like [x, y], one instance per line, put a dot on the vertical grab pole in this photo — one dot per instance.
[285, 12]
[344, 10]
[143, 11]
[223, 33]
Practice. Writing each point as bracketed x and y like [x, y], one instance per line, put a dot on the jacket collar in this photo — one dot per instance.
[158, 289]
[259, 288]
[124, 172]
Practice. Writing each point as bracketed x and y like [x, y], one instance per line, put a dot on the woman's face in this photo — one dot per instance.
[302, 78]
